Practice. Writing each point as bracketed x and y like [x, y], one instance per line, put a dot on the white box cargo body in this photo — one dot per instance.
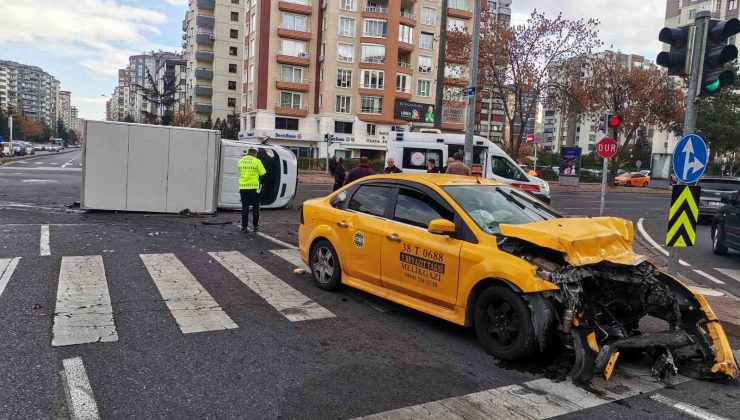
[149, 168]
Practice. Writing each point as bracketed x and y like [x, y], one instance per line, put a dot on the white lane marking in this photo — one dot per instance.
[292, 256]
[43, 181]
[688, 409]
[706, 291]
[193, 308]
[653, 243]
[53, 163]
[710, 277]
[537, 399]
[42, 168]
[7, 267]
[80, 399]
[83, 311]
[277, 241]
[44, 247]
[733, 274]
[69, 163]
[39, 163]
[293, 304]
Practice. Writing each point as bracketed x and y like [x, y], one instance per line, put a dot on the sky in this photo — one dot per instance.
[83, 43]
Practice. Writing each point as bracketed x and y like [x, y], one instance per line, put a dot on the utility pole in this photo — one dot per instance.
[689, 123]
[470, 121]
[441, 60]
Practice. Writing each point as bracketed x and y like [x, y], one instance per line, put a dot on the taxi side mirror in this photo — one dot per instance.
[441, 227]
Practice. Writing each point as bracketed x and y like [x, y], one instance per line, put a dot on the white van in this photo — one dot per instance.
[412, 151]
[279, 184]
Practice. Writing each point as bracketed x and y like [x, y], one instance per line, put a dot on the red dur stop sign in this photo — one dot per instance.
[607, 147]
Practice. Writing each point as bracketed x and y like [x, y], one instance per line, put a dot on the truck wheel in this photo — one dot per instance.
[718, 243]
[325, 269]
[503, 324]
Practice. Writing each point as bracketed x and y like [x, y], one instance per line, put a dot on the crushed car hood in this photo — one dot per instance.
[583, 240]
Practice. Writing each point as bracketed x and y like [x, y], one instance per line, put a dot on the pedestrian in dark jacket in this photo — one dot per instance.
[360, 171]
[339, 174]
[333, 165]
[392, 168]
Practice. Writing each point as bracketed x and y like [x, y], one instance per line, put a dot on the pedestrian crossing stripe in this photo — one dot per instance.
[683, 216]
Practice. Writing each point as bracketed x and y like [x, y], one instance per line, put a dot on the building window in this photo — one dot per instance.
[234, 33]
[235, 16]
[345, 53]
[692, 13]
[426, 41]
[343, 104]
[424, 88]
[425, 64]
[250, 96]
[234, 1]
[347, 5]
[231, 102]
[232, 68]
[286, 123]
[233, 51]
[375, 28]
[321, 100]
[343, 127]
[373, 53]
[454, 71]
[253, 23]
[293, 48]
[372, 104]
[373, 79]
[456, 25]
[294, 22]
[428, 16]
[290, 100]
[346, 27]
[251, 48]
[732, 5]
[403, 83]
[251, 73]
[292, 74]
[232, 85]
[406, 34]
[459, 4]
[370, 129]
[344, 78]
[321, 74]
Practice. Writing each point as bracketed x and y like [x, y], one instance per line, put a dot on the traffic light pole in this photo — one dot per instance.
[470, 121]
[689, 124]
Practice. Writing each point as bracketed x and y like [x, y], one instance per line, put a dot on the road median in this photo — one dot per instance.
[6, 160]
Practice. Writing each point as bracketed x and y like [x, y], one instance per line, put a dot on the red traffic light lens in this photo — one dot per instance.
[615, 121]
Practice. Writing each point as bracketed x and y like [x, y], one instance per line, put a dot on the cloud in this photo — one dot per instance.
[630, 26]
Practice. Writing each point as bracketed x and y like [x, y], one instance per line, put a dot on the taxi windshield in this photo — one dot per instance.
[490, 206]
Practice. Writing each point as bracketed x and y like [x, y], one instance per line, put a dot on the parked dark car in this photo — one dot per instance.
[713, 189]
[726, 225]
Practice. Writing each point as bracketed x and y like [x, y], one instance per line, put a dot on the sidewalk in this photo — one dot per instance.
[314, 177]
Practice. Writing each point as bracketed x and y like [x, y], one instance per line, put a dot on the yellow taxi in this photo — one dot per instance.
[480, 253]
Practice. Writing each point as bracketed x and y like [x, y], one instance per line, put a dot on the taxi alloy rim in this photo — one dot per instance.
[323, 265]
[503, 322]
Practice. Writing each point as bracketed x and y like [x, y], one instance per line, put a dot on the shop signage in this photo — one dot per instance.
[453, 114]
[414, 111]
[296, 136]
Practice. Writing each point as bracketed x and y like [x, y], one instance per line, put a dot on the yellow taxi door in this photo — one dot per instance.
[414, 261]
[360, 229]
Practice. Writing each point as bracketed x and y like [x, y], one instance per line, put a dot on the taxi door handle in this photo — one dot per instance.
[342, 224]
[394, 238]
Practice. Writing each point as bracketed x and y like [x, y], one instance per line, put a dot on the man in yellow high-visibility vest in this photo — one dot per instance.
[250, 171]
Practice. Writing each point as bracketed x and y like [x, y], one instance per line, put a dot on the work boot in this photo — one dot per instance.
[255, 228]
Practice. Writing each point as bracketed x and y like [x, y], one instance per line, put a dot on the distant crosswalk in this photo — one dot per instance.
[84, 314]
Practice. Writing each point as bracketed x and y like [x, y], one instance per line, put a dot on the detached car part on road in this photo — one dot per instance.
[480, 253]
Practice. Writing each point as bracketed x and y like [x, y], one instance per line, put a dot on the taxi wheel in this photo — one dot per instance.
[628, 184]
[503, 324]
[325, 269]
[645, 184]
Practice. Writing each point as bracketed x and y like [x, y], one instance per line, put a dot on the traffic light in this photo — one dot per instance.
[608, 121]
[677, 59]
[718, 52]
[326, 138]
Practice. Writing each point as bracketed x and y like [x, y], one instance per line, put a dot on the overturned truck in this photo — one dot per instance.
[603, 292]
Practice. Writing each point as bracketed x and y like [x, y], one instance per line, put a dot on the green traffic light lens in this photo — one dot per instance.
[712, 86]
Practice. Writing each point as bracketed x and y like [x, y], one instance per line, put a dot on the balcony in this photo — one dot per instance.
[202, 107]
[205, 38]
[291, 110]
[206, 4]
[403, 93]
[296, 84]
[202, 73]
[405, 67]
[454, 12]
[294, 33]
[293, 57]
[408, 18]
[405, 46]
[379, 11]
[203, 90]
[295, 6]
[205, 21]
[206, 56]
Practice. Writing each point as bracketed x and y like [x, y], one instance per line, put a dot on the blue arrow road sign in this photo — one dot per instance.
[690, 158]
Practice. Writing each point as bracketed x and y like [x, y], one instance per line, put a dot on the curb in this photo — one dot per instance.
[5, 161]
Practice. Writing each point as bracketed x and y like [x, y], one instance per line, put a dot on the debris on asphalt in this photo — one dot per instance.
[299, 271]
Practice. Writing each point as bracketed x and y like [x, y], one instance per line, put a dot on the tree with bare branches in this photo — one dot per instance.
[183, 115]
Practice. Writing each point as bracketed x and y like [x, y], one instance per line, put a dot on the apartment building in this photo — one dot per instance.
[682, 12]
[64, 108]
[142, 71]
[29, 90]
[356, 70]
[213, 43]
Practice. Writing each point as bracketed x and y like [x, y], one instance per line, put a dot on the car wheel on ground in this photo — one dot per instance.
[325, 268]
[718, 245]
[628, 184]
[645, 185]
[503, 324]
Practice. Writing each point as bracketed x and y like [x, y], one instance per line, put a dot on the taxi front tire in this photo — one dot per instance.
[503, 324]
[326, 271]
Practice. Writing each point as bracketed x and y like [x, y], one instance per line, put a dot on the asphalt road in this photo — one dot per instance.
[166, 276]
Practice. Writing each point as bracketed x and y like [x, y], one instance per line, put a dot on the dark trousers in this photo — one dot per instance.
[250, 198]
